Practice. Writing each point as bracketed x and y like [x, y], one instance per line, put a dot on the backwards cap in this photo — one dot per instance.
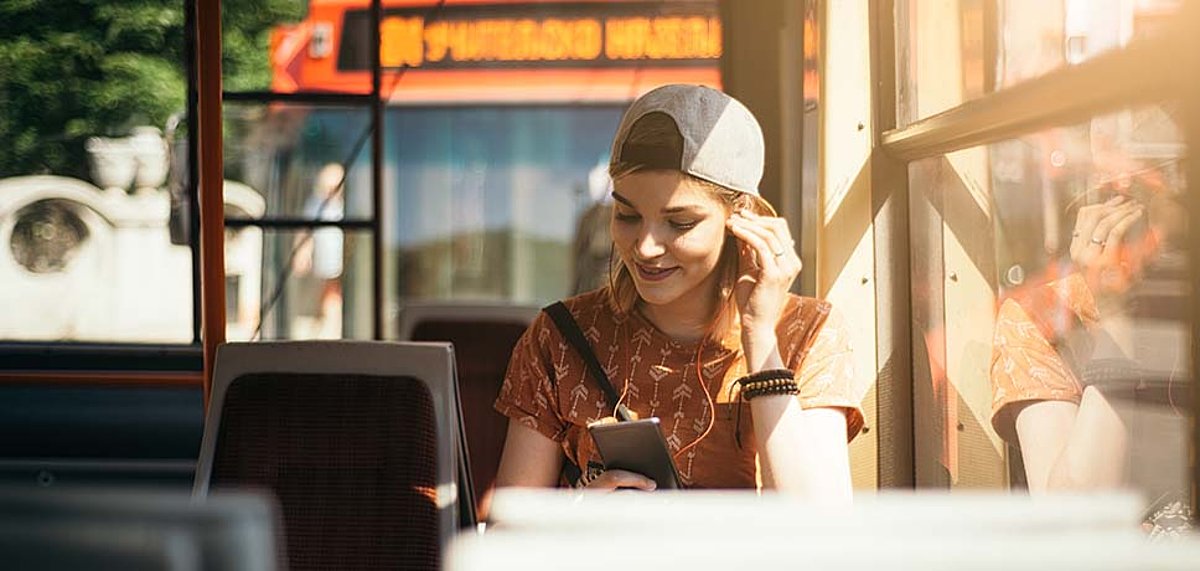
[722, 141]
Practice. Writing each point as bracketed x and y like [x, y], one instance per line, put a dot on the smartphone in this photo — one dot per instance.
[636, 446]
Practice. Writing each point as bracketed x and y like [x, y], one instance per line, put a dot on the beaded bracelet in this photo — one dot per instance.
[755, 386]
[765, 382]
[768, 381]
[767, 374]
[783, 390]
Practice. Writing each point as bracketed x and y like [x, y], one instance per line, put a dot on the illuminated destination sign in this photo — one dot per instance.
[553, 35]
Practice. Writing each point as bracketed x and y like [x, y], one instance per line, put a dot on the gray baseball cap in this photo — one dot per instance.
[722, 141]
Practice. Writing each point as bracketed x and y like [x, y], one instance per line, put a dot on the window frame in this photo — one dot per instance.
[122, 363]
[1027, 108]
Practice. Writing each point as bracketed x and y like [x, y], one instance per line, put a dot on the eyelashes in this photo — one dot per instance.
[681, 226]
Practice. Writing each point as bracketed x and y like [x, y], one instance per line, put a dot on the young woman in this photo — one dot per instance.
[753, 385]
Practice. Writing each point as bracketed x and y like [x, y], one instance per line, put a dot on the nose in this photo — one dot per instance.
[649, 245]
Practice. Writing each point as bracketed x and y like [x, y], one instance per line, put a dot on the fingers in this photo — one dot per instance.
[769, 238]
[1109, 221]
[617, 479]
[1090, 216]
[1115, 234]
[1095, 223]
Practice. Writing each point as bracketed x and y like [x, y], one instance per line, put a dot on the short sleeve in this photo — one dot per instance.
[827, 375]
[1025, 367]
[527, 395]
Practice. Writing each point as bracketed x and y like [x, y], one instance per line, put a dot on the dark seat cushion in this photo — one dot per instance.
[481, 349]
[351, 459]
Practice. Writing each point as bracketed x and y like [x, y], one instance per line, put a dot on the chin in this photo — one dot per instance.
[654, 295]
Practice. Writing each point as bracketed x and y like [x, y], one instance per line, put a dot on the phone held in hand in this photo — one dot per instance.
[636, 446]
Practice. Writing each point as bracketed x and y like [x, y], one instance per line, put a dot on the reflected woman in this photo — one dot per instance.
[695, 323]
[1086, 371]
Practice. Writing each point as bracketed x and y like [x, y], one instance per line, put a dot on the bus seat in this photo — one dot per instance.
[131, 528]
[483, 336]
[358, 441]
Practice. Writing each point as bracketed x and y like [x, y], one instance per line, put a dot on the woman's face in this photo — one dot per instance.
[668, 231]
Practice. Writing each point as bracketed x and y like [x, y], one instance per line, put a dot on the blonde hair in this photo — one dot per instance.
[658, 130]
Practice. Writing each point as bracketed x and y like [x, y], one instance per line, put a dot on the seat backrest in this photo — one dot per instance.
[357, 440]
[135, 529]
[483, 338]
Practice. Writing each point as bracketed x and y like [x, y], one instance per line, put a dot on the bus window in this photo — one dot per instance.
[952, 52]
[496, 131]
[1050, 349]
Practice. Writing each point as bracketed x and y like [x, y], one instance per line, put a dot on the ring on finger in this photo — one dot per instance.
[1097, 241]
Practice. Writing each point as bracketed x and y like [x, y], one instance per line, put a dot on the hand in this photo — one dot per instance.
[1097, 247]
[611, 480]
[767, 266]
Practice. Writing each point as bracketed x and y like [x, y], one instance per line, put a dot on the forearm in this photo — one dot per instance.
[801, 452]
[1095, 455]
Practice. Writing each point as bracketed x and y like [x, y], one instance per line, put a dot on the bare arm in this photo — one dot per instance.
[1072, 447]
[529, 459]
[533, 461]
[803, 451]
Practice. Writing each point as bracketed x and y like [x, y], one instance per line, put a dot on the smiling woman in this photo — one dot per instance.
[696, 326]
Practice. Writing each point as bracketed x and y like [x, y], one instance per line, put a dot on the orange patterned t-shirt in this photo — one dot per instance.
[1026, 366]
[548, 387]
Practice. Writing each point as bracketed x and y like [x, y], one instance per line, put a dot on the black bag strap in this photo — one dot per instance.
[569, 329]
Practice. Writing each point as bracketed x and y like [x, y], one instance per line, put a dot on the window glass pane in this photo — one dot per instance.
[1061, 326]
[90, 96]
[263, 43]
[326, 284]
[952, 51]
[498, 122]
[292, 155]
[488, 203]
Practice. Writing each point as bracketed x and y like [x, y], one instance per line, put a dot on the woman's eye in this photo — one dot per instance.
[684, 225]
[626, 217]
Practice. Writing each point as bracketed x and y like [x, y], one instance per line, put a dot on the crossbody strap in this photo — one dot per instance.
[569, 329]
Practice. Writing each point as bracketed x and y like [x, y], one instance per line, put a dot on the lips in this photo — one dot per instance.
[654, 274]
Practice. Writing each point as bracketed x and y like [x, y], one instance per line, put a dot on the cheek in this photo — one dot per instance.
[622, 236]
[700, 244]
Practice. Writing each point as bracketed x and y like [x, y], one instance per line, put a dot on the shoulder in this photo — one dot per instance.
[588, 302]
[588, 309]
[804, 315]
[593, 309]
[803, 305]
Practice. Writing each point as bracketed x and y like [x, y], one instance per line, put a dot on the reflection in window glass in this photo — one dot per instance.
[90, 99]
[304, 284]
[950, 52]
[489, 198]
[254, 41]
[288, 151]
[1060, 331]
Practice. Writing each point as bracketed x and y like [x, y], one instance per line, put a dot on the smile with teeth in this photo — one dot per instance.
[653, 274]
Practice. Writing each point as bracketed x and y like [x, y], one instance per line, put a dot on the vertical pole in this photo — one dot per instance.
[1190, 104]
[192, 224]
[893, 283]
[210, 177]
[377, 104]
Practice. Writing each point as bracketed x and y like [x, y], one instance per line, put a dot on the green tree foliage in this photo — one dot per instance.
[70, 70]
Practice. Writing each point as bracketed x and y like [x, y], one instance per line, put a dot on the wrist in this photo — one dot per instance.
[762, 352]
